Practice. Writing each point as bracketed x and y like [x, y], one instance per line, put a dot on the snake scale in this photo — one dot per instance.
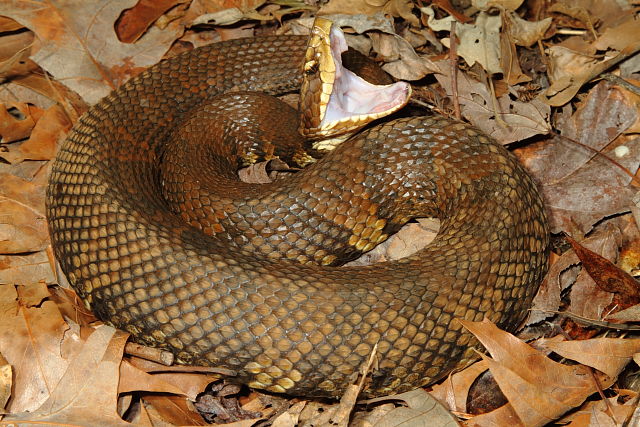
[263, 294]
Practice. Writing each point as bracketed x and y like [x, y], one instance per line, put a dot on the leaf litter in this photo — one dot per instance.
[527, 72]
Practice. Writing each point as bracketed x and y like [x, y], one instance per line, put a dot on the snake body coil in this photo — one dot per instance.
[294, 322]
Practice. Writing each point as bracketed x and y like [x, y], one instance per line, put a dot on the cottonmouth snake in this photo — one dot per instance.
[290, 322]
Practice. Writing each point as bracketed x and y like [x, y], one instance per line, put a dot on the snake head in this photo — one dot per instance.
[334, 101]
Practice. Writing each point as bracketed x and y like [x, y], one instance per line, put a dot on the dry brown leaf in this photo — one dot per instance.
[92, 376]
[634, 100]
[31, 268]
[478, 42]
[503, 416]
[30, 339]
[411, 238]
[396, 8]
[526, 33]
[538, 389]
[50, 128]
[71, 307]
[255, 174]
[608, 355]
[79, 46]
[509, 62]
[43, 92]
[371, 417]
[16, 121]
[290, 417]
[134, 22]
[6, 382]
[182, 383]
[631, 314]
[522, 119]
[23, 225]
[14, 55]
[421, 409]
[597, 190]
[453, 391]
[511, 5]
[570, 69]
[608, 276]
[33, 295]
[586, 299]
[13, 92]
[8, 25]
[402, 62]
[581, 193]
[173, 409]
[134, 379]
[598, 413]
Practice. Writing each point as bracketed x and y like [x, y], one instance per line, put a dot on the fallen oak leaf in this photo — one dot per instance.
[32, 268]
[613, 412]
[395, 8]
[6, 381]
[571, 69]
[608, 355]
[134, 22]
[188, 384]
[134, 379]
[607, 275]
[503, 416]
[522, 119]
[50, 128]
[79, 46]
[454, 390]
[175, 410]
[30, 340]
[17, 120]
[92, 376]
[631, 314]
[291, 416]
[23, 225]
[422, 409]
[526, 399]
[551, 388]
[33, 295]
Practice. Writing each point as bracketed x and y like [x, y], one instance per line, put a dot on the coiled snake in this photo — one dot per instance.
[262, 293]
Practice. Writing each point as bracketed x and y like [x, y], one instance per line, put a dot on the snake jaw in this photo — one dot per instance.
[334, 101]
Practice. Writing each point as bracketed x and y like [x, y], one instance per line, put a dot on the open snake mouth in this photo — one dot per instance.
[335, 101]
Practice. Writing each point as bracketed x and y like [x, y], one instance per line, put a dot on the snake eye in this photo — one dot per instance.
[311, 68]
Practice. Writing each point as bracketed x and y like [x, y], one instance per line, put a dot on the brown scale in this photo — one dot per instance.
[283, 325]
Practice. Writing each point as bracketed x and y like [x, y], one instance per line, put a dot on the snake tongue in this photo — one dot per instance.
[334, 100]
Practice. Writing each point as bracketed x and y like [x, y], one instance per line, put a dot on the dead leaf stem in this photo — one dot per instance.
[617, 80]
[591, 322]
[453, 61]
[634, 180]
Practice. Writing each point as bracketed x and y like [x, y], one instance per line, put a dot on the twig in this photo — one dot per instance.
[601, 154]
[617, 80]
[571, 32]
[453, 62]
[592, 322]
[154, 354]
[494, 102]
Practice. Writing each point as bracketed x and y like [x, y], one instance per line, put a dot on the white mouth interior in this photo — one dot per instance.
[354, 96]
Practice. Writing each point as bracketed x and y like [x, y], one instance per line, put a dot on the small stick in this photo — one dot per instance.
[154, 354]
[453, 62]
